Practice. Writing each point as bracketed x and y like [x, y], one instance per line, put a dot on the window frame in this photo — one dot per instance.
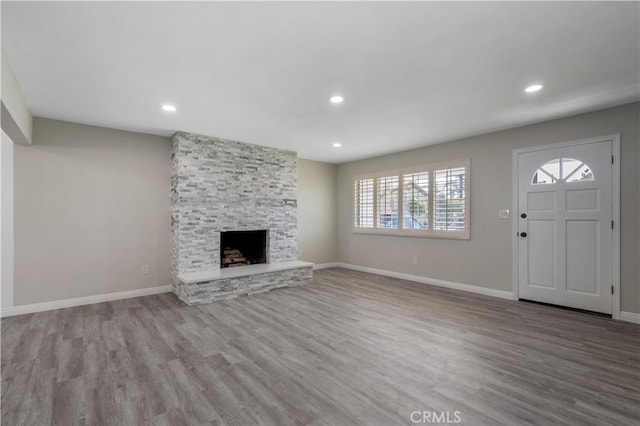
[431, 168]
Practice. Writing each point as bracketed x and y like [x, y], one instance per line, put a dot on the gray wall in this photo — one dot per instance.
[485, 259]
[317, 210]
[91, 207]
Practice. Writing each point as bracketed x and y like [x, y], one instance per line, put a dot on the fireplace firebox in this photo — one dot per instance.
[243, 248]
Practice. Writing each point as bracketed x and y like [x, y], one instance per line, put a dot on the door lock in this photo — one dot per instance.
[523, 234]
[523, 215]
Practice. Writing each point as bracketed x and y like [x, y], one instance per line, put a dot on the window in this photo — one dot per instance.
[427, 201]
[449, 199]
[415, 200]
[562, 170]
[387, 202]
[364, 203]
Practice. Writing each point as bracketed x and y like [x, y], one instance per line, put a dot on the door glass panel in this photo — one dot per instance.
[547, 173]
[542, 178]
[569, 166]
[552, 168]
[563, 170]
[580, 174]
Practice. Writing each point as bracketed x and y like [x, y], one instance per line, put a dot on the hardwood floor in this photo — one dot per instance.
[351, 348]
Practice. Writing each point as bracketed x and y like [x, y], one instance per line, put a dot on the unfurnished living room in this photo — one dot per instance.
[320, 213]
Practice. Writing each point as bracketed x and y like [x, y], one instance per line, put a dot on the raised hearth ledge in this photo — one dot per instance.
[240, 271]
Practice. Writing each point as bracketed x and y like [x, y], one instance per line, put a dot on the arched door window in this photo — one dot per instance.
[562, 170]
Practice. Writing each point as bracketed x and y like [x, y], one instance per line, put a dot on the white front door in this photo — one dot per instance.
[565, 226]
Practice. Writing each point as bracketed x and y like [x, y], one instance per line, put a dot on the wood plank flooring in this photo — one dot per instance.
[351, 348]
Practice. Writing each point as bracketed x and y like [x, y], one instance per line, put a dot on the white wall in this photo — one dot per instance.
[317, 240]
[6, 222]
[92, 205]
[485, 259]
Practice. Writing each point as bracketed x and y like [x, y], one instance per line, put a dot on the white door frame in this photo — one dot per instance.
[615, 142]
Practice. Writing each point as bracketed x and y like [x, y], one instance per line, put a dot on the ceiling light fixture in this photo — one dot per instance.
[336, 99]
[533, 88]
[337, 144]
[169, 108]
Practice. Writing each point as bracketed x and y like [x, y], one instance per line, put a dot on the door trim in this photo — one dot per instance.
[615, 197]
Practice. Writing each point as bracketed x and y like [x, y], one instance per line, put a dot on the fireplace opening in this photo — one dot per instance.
[242, 248]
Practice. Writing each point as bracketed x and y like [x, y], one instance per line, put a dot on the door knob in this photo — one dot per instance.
[523, 215]
[523, 234]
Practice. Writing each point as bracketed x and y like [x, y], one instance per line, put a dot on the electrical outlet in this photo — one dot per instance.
[414, 260]
[145, 269]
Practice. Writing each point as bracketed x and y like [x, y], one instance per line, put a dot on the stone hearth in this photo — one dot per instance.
[221, 185]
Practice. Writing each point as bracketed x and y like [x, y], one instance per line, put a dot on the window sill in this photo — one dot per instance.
[445, 235]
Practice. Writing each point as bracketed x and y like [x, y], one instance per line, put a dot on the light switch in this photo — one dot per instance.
[504, 214]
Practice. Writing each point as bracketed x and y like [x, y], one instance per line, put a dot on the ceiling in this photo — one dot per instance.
[412, 74]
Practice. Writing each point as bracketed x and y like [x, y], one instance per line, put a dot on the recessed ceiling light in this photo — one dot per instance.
[533, 88]
[337, 144]
[336, 99]
[169, 108]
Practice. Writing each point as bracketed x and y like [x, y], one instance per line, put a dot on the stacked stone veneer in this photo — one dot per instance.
[222, 185]
[251, 284]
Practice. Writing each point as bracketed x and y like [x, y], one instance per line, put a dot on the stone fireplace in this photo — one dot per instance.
[224, 189]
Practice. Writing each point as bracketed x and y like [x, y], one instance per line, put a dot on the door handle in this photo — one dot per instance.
[523, 215]
[523, 234]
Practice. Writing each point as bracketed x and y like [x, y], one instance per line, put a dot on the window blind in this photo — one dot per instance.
[430, 200]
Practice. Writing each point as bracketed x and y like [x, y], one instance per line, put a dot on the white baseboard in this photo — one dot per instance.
[624, 316]
[325, 265]
[88, 300]
[630, 317]
[79, 301]
[431, 281]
